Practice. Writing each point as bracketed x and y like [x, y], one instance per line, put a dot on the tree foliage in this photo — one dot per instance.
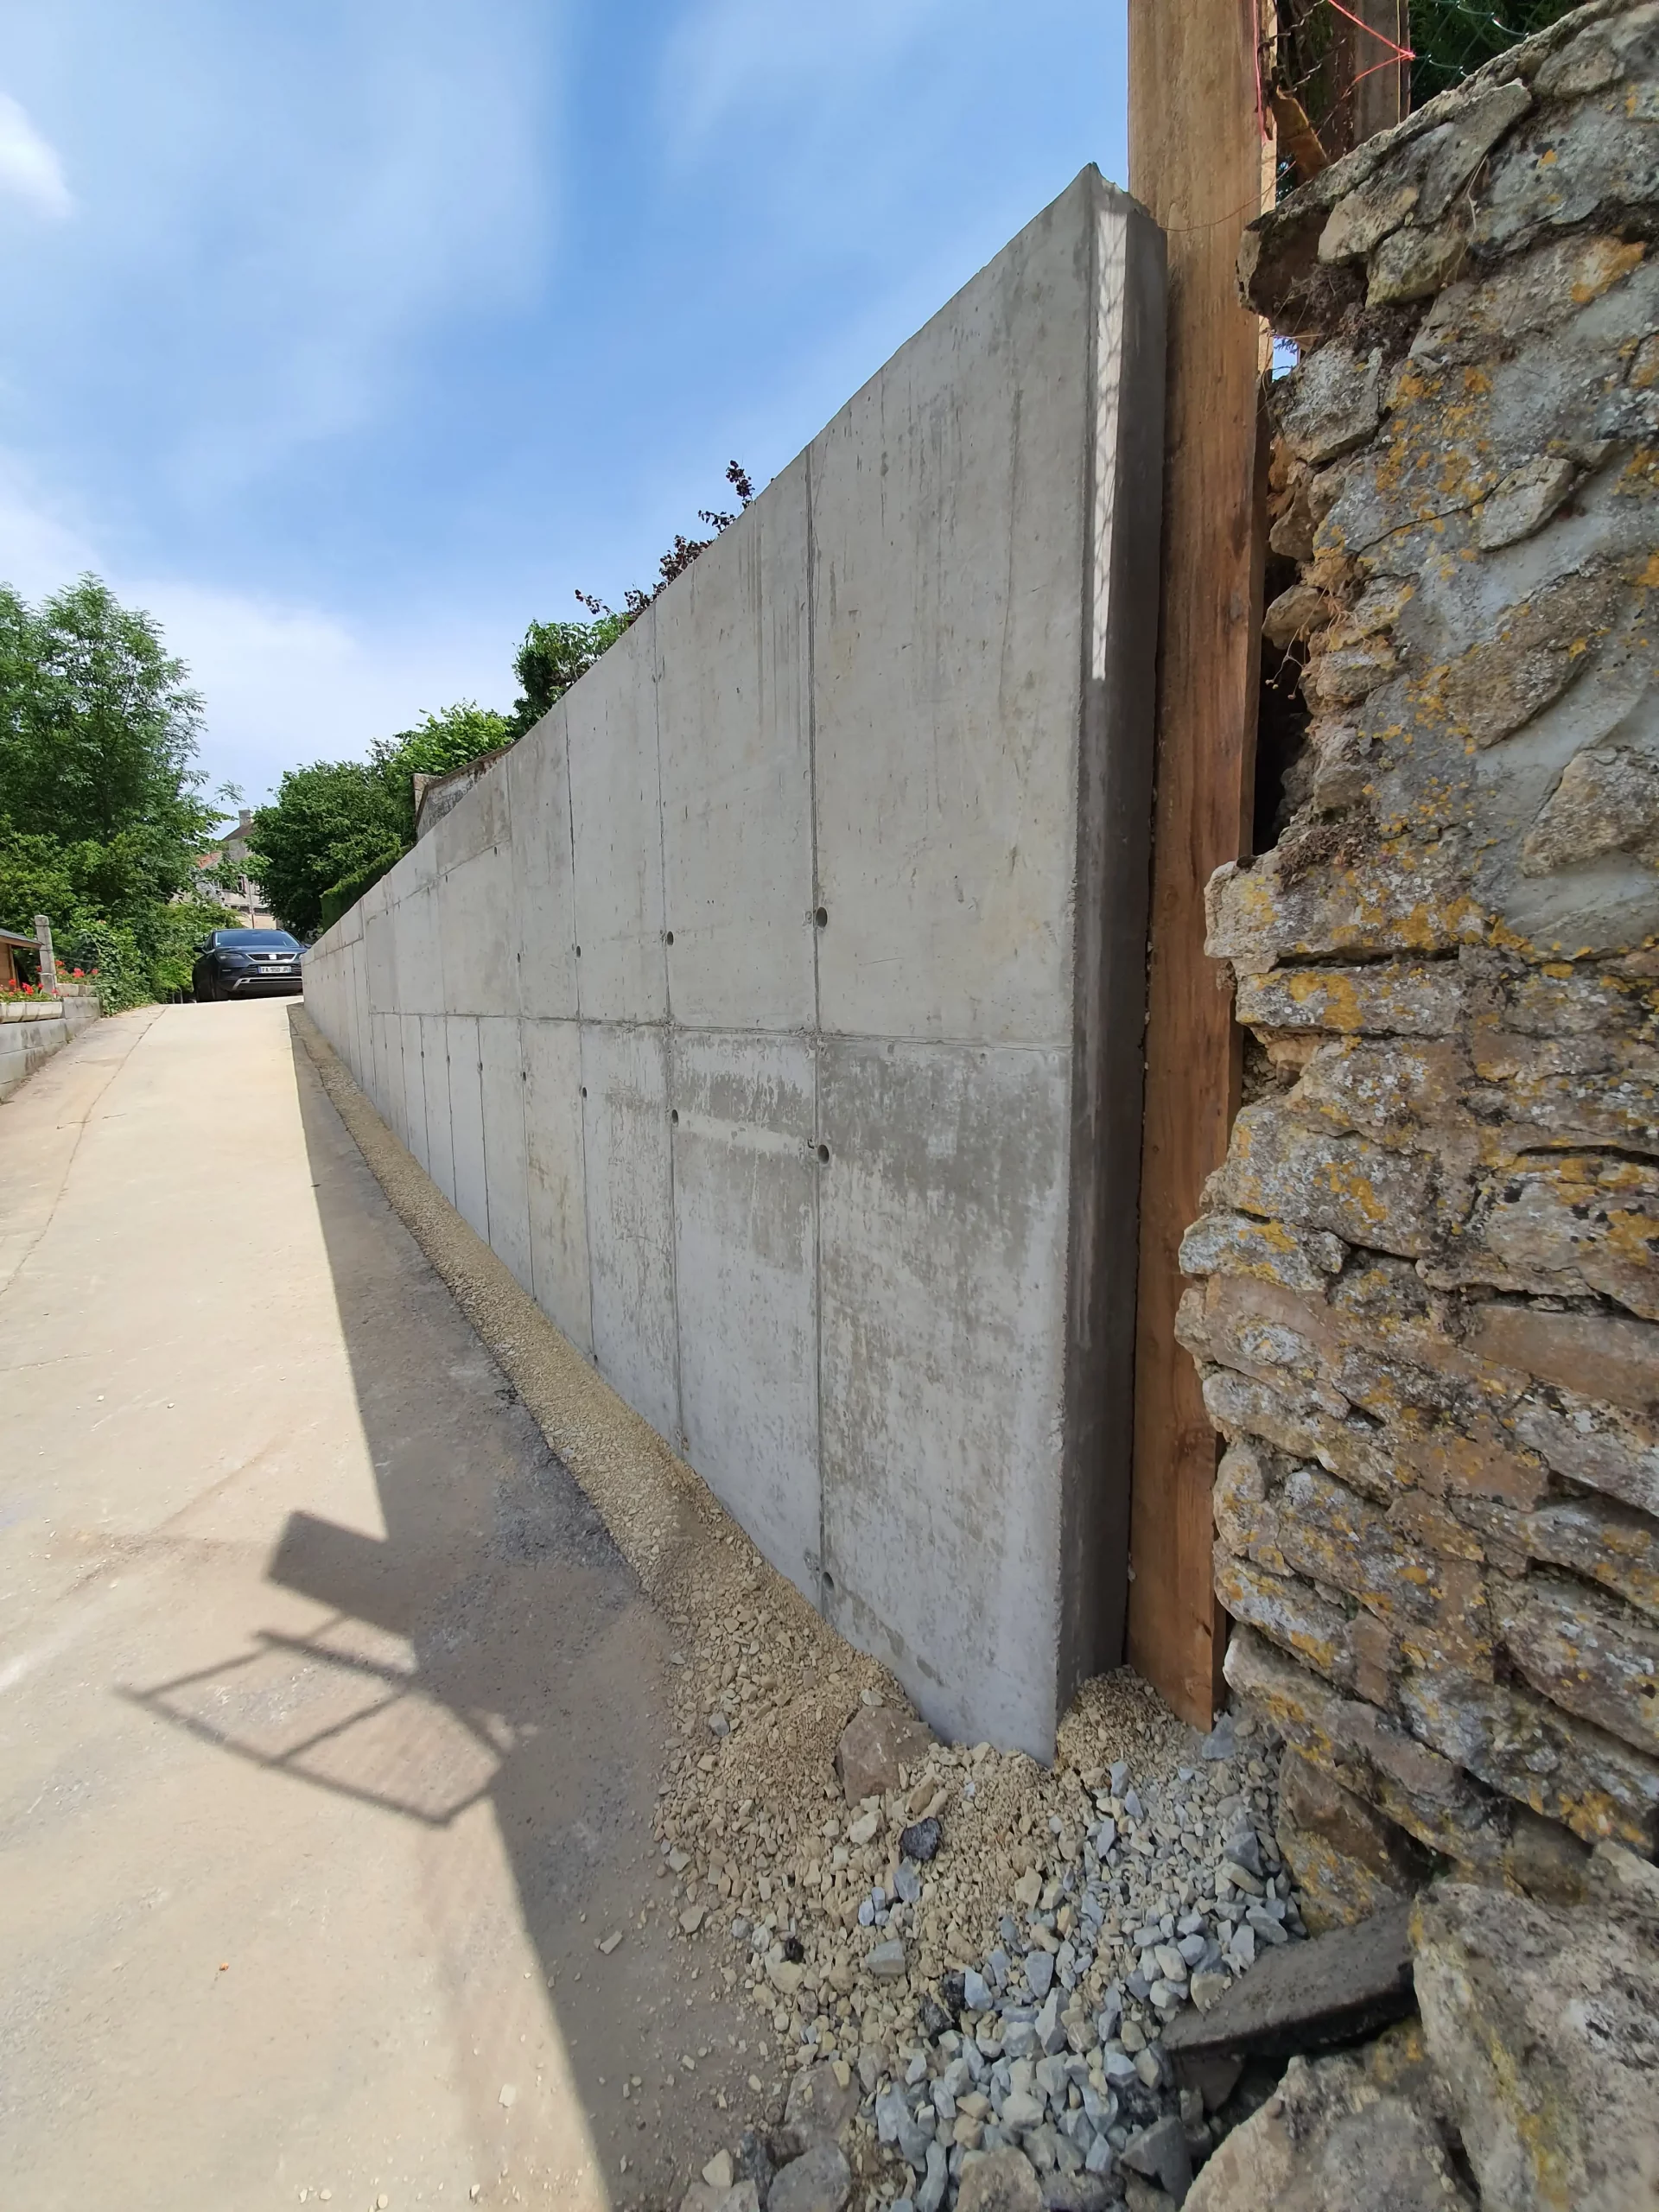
[552, 657]
[102, 814]
[335, 828]
[554, 654]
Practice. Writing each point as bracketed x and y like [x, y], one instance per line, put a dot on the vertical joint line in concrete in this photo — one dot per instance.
[581, 1063]
[669, 1054]
[809, 617]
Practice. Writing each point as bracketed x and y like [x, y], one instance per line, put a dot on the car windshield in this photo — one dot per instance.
[256, 940]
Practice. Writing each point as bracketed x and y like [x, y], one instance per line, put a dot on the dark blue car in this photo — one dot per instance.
[246, 964]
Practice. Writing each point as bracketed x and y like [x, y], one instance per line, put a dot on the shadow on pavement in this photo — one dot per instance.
[493, 1644]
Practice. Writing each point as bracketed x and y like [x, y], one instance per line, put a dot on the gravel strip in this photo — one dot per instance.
[1006, 1990]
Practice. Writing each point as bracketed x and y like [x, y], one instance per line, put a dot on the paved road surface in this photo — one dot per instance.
[327, 1709]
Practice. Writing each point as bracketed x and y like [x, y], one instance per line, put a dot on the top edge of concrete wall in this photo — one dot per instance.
[774, 1007]
[481, 828]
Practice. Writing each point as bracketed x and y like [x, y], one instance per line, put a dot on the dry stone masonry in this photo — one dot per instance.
[1426, 1277]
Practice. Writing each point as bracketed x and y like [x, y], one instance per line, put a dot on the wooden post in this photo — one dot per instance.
[1197, 160]
[48, 958]
[1372, 89]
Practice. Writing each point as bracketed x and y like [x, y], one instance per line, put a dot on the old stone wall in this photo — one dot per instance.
[1427, 1274]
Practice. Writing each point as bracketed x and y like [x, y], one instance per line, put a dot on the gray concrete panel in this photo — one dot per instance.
[947, 513]
[943, 1228]
[417, 870]
[414, 922]
[543, 905]
[736, 766]
[629, 1218]
[616, 806]
[472, 826]
[435, 1069]
[467, 1122]
[502, 1078]
[359, 1008]
[745, 1274]
[912, 686]
[380, 962]
[414, 1088]
[558, 1197]
[397, 1106]
[379, 1084]
[475, 921]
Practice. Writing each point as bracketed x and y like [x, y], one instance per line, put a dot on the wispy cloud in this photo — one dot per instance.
[283, 682]
[731, 60]
[377, 328]
[29, 168]
[279, 210]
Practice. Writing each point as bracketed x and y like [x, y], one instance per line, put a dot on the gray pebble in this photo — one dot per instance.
[1161, 2153]
[820, 2181]
[920, 1840]
[930, 2194]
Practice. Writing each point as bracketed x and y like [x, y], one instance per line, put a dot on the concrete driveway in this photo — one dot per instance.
[330, 1718]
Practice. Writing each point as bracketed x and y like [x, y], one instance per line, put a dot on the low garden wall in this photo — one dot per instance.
[31, 1030]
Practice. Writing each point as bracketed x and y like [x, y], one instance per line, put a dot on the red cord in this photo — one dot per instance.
[1253, 25]
[1395, 54]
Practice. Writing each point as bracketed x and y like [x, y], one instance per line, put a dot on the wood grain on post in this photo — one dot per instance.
[1198, 162]
[1373, 86]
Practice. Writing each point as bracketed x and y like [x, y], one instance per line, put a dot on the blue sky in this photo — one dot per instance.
[347, 338]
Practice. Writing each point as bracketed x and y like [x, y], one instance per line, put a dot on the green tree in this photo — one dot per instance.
[329, 821]
[98, 725]
[554, 654]
[102, 814]
[336, 827]
[552, 657]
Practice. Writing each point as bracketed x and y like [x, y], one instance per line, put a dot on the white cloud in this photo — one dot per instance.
[278, 211]
[286, 684]
[29, 168]
[283, 683]
[731, 58]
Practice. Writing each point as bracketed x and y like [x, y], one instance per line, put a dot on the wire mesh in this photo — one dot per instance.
[1313, 52]
[1452, 39]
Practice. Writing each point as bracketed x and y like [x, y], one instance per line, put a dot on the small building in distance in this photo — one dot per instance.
[247, 902]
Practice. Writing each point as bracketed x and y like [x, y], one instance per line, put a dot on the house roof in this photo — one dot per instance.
[11, 937]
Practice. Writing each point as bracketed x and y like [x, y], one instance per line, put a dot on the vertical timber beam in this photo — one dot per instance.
[1197, 161]
[1372, 85]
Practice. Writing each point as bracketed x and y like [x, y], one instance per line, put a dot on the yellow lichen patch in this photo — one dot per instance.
[1353, 1189]
[1602, 265]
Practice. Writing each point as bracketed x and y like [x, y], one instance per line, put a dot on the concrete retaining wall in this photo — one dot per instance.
[774, 1007]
